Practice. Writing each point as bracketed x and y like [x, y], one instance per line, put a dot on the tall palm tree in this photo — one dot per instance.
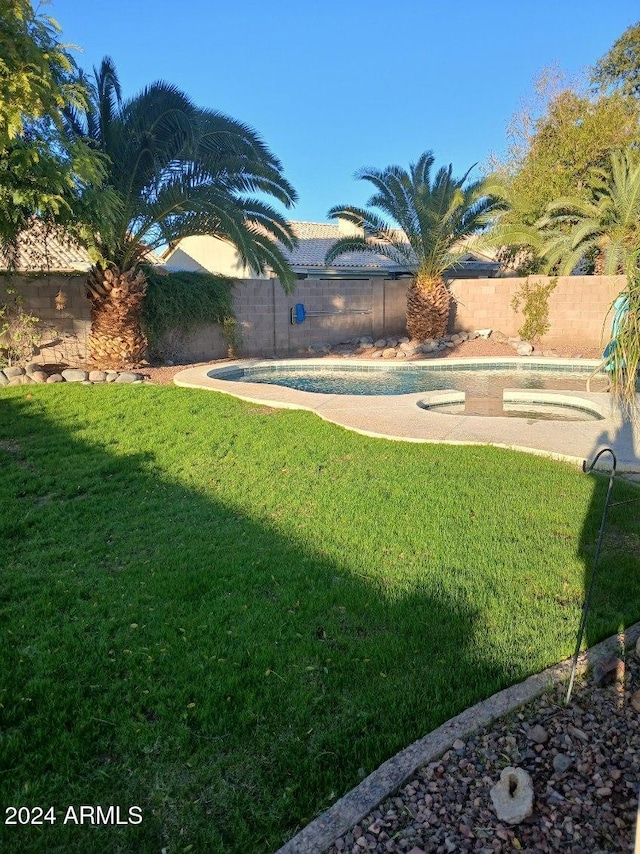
[431, 214]
[175, 171]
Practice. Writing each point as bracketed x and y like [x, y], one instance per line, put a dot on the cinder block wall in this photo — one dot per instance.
[577, 307]
[263, 311]
[63, 333]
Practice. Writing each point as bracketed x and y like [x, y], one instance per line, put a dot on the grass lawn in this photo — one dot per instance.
[227, 615]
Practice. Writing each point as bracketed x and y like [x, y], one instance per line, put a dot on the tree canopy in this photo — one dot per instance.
[37, 74]
[619, 68]
[41, 171]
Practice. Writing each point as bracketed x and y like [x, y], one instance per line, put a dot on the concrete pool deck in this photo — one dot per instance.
[400, 417]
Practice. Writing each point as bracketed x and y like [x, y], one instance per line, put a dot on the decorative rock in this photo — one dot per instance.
[608, 670]
[635, 701]
[111, 376]
[55, 378]
[97, 376]
[15, 381]
[3, 379]
[13, 371]
[464, 336]
[537, 734]
[130, 377]
[381, 343]
[638, 648]
[74, 375]
[498, 336]
[314, 348]
[38, 377]
[512, 796]
[366, 341]
[32, 367]
[392, 342]
[449, 344]
[524, 349]
[389, 353]
[404, 340]
[561, 763]
[428, 346]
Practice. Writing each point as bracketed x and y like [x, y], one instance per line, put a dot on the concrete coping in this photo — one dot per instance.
[401, 418]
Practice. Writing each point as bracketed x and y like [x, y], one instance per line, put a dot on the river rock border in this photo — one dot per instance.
[405, 348]
[33, 374]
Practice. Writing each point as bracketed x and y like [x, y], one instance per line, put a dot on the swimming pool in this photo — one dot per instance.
[474, 379]
[413, 417]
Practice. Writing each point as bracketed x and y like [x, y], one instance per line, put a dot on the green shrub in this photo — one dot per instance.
[534, 299]
[177, 303]
[20, 331]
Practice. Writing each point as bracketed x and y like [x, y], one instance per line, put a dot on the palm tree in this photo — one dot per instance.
[432, 214]
[175, 171]
[605, 228]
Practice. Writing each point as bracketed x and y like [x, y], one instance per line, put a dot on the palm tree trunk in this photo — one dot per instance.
[116, 339]
[428, 304]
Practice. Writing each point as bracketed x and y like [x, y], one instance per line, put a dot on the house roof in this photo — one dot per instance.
[51, 250]
[40, 249]
[315, 240]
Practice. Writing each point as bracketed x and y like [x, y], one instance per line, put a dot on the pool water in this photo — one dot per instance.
[477, 381]
[528, 409]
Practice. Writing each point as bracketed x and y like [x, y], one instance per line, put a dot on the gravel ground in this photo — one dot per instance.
[583, 761]
[478, 347]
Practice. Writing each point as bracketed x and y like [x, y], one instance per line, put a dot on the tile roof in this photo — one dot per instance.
[42, 250]
[51, 251]
[316, 238]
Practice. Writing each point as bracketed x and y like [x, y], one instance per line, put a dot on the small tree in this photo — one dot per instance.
[41, 174]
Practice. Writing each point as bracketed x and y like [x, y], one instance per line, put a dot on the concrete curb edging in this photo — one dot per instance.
[319, 834]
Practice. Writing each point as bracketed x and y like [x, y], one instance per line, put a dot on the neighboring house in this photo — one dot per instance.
[41, 250]
[205, 253]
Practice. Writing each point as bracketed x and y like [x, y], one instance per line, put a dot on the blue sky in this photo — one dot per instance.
[334, 86]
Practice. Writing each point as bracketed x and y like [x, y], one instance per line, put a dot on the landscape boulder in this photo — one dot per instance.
[512, 796]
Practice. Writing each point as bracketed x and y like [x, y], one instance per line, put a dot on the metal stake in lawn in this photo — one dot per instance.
[596, 557]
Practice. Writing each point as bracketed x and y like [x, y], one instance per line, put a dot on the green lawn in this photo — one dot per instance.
[226, 614]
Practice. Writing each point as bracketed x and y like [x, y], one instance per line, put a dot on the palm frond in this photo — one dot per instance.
[432, 214]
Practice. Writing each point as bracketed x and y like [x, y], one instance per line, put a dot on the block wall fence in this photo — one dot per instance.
[347, 308]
